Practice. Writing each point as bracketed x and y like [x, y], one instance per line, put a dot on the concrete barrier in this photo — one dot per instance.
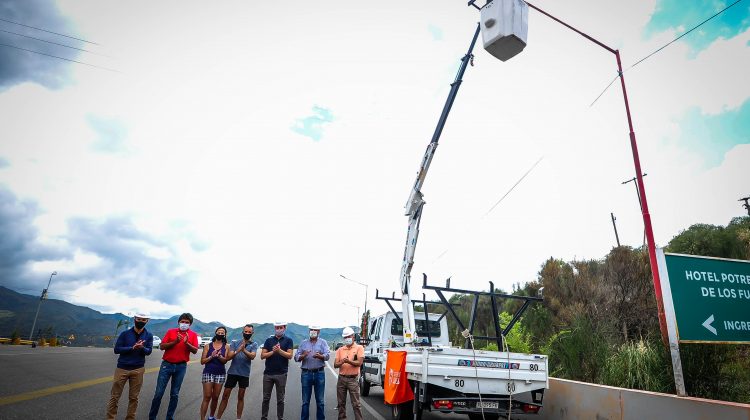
[570, 400]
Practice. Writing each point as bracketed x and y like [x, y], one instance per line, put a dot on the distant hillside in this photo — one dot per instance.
[82, 326]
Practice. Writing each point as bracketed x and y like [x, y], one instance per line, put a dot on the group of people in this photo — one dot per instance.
[134, 344]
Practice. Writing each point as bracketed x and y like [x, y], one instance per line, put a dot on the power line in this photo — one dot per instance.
[50, 42]
[664, 46]
[50, 32]
[497, 203]
[674, 40]
[513, 187]
[61, 58]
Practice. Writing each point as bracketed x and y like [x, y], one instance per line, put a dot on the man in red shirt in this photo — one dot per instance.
[177, 344]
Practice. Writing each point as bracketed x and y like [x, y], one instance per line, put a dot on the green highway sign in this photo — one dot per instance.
[710, 297]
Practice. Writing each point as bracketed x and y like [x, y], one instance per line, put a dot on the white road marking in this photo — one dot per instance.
[361, 401]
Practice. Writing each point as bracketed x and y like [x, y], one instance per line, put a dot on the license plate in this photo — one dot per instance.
[488, 404]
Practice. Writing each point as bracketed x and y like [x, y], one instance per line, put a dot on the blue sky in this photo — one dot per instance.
[708, 134]
[312, 126]
[244, 161]
[713, 135]
[680, 16]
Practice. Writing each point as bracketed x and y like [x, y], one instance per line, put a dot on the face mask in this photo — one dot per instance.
[247, 336]
[139, 324]
[348, 341]
[313, 334]
[220, 337]
[184, 326]
[280, 332]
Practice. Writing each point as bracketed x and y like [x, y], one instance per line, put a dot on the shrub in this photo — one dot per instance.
[578, 353]
[639, 365]
[15, 338]
[53, 342]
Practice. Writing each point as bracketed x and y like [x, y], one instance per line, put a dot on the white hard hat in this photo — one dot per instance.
[142, 315]
[314, 327]
[347, 332]
[279, 324]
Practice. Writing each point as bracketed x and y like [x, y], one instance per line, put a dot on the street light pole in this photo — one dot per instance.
[41, 298]
[353, 306]
[366, 289]
[638, 174]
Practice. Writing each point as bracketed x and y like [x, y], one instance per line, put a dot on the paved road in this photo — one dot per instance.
[74, 383]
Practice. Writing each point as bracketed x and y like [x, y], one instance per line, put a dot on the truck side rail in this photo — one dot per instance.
[499, 334]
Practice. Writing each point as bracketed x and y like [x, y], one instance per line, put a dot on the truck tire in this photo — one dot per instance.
[364, 386]
[403, 411]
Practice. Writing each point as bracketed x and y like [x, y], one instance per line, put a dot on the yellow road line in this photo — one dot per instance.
[12, 399]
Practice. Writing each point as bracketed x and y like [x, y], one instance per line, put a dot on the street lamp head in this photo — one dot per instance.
[54, 273]
[505, 26]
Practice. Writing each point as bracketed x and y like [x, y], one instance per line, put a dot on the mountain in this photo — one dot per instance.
[82, 326]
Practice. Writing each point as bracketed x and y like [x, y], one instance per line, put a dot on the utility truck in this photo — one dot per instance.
[450, 379]
[482, 384]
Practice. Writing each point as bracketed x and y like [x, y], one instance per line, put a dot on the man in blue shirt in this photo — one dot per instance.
[241, 353]
[277, 350]
[312, 354]
[133, 345]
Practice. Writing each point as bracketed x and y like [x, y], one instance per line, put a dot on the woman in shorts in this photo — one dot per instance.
[214, 373]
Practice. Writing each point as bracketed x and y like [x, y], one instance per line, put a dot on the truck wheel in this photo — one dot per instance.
[487, 416]
[364, 386]
[403, 411]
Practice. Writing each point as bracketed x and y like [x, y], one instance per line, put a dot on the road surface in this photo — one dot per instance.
[75, 382]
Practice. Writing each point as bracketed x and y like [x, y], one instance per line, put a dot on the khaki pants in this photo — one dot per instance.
[351, 385]
[135, 378]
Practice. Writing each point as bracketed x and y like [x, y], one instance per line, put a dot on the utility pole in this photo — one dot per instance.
[638, 193]
[746, 205]
[41, 298]
[615, 226]
[367, 319]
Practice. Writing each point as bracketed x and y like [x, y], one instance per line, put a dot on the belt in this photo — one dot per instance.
[349, 376]
[313, 370]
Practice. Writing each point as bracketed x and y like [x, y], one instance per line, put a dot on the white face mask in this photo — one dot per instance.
[313, 334]
[184, 326]
[349, 341]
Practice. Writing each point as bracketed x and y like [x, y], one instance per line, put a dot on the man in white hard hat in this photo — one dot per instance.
[312, 355]
[276, 351]
[133, 345]
[349, 358]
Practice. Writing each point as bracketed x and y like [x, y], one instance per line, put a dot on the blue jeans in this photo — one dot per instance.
[312, 380]
[166, 371]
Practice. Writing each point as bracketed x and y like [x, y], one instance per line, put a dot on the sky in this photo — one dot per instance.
[234, 160]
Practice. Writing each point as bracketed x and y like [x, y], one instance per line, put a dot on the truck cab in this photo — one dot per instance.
[386, 331]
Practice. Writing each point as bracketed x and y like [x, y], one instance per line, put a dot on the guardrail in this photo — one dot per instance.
[570, 400]
[20, 342]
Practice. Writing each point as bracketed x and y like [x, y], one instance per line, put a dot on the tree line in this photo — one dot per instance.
[598, 321]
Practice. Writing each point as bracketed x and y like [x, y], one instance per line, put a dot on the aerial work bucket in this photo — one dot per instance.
[505, 25]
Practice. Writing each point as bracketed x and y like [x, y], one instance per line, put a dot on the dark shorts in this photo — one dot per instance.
[233, 380]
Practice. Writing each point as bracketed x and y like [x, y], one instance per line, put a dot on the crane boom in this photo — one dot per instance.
[415, 203]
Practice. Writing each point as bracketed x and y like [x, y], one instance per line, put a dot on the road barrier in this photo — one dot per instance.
[20, 342]
[569, 400]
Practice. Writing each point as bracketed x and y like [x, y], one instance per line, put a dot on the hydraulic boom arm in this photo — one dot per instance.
[415, 203]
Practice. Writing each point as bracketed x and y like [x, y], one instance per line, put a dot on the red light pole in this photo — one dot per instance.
[637, 163]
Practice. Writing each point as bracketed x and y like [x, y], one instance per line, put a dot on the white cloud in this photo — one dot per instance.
[208, 94]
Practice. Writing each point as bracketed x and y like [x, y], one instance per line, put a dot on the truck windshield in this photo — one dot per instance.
[397, 328]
